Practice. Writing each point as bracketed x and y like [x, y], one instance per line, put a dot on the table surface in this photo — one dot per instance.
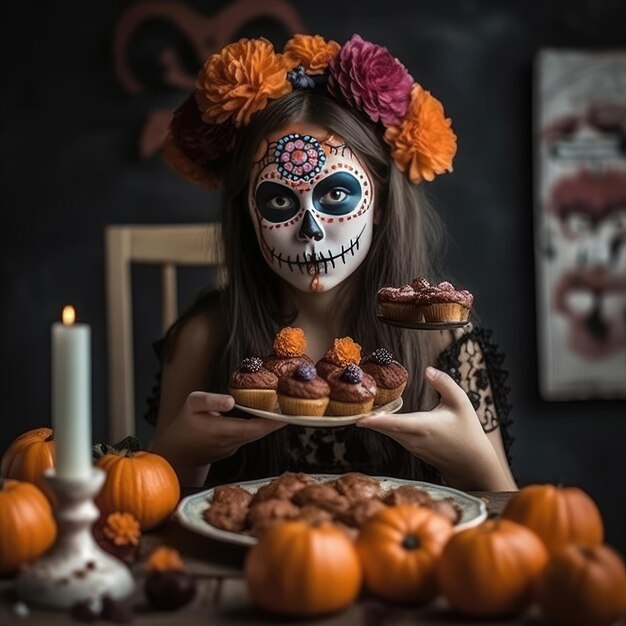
[222, 599]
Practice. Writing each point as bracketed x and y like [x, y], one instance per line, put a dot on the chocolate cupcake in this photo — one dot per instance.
[288, 352]
[390, 376]
[303, 393]
[352, 391]
[343, 352]
[398, 303]
[253, 385]
[442, 302]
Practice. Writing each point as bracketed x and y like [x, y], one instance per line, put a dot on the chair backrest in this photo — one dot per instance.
[168, 246]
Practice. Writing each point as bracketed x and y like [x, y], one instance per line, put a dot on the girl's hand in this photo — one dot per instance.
[449, 437]
[200, 434]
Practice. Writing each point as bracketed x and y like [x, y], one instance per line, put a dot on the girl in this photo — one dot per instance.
[320, 152]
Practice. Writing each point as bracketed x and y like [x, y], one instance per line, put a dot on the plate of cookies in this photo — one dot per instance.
[240, 513]
[421, 305]
[339, 389]
[325, 421]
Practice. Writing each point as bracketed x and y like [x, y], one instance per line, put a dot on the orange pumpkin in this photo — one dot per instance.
[29, 456]
[583, 586]
[490, 569]
[399, 548]
[303, 570]
[141, 483]
[27, 526]
[559, 515]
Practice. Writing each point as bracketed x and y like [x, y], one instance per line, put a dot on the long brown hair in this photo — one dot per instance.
[406, 243]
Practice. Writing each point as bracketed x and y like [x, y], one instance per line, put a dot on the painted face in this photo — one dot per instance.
[311, 201]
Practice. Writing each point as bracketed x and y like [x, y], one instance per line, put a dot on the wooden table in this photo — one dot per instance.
[222, 598]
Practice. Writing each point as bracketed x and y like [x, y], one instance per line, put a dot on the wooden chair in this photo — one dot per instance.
[168, 246]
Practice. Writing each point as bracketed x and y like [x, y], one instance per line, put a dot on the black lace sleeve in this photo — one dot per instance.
[476, 364]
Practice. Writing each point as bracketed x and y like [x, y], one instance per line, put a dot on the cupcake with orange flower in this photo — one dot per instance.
[253, 385]
[352, 391]
[303, 392]
[288, 352]
[390, 375]
[343, 352]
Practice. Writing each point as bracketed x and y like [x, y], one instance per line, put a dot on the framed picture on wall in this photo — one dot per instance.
[580, 223]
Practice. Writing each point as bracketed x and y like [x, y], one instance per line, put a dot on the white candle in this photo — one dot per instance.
[71, 396]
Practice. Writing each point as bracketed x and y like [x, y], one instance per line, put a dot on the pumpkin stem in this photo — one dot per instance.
[125, 447]
[411, 542]
[587, 552]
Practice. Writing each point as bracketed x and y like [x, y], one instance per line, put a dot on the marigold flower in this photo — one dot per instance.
[289, 341]
[344, 351]
[424, 143]
[313, 52]
[238, 81]
[122, 529]
[164, 558]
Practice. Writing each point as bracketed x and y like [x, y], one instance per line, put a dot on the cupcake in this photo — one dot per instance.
[303, 392]
[442, 302]
[420, 301]
[398, 303]
[343, 352]
[253, 385]
[389, 375]
[352, 391]
[288, 352]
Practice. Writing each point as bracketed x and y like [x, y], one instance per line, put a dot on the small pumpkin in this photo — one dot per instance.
[559, 515]
[490, 570]
[29, 456]
[303, 570]
[141, 483]
[27, 526]
[399, 548]
[583, 586]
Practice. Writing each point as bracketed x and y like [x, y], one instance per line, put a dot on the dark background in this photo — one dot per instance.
[70, 166]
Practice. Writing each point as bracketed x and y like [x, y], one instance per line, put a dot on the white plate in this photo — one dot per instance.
[190, 509]
[326, 421]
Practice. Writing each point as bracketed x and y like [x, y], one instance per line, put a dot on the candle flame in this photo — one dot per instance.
[68, 315]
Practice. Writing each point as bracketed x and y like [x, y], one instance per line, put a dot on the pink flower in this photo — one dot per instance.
[370, 79]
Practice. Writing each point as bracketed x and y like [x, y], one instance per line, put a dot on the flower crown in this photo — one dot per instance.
[244, 76]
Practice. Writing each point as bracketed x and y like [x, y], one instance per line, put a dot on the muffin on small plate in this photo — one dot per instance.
[303, 392]
[442, 302]
[288, 352]
[399, 303]
[343, 352]
[390, 375]
[253, 385]
[352, 391]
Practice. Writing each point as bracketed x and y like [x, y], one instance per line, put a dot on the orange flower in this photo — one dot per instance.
[313, 52]
[122, 529]
[178, 161]
[424, 142]
[162, 559]
[344, 351]
[239, 80]
[289, 341]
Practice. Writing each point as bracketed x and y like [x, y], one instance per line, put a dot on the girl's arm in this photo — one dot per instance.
[449, 437]
[191, 431]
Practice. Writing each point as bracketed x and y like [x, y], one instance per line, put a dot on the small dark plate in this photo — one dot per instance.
[422, 325]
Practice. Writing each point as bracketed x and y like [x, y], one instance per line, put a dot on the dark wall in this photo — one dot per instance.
[70, 166]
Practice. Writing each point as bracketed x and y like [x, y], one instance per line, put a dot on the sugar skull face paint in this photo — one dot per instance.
[311, 201]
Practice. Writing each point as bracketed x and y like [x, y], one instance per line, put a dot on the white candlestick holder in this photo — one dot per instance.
[76, 568]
